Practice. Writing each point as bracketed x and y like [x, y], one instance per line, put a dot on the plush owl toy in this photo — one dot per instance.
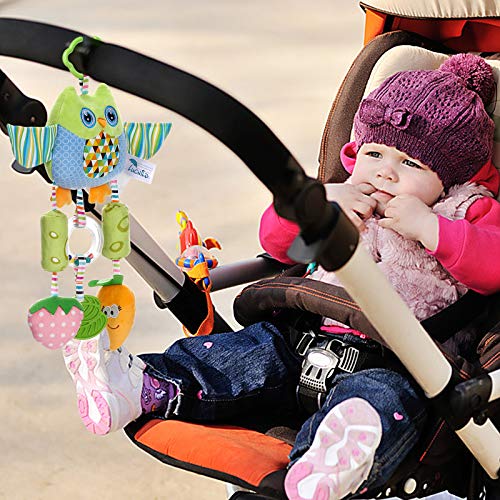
[85, 143]
[84, 146]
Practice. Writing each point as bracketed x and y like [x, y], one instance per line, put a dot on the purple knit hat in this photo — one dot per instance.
[437, 117]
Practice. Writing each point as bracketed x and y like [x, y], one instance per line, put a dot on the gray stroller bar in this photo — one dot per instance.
[327, 236]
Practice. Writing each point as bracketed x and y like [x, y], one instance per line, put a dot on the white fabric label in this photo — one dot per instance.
[140, 169]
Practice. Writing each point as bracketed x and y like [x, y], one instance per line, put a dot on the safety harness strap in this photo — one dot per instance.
[324, 356]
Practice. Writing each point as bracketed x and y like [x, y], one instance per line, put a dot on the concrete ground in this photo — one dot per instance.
[284, 60]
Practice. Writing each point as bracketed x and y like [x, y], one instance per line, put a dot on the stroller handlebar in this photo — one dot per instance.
[217, 112]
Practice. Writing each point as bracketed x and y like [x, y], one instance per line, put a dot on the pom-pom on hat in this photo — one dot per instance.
[437, 116]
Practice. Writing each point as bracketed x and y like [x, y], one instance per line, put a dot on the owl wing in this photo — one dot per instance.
[145, 139]
[32, 146]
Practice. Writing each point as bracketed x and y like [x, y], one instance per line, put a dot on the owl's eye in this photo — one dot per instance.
[87, 117]
[111, 115]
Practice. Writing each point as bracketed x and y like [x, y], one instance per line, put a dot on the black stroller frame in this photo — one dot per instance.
[326, 237]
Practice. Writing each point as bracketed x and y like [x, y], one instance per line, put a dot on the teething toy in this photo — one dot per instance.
[55, 320]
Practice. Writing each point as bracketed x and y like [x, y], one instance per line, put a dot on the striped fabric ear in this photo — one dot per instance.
[32, 146]
[145, 139]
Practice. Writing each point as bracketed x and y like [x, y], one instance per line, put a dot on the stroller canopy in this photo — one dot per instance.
[461, 25]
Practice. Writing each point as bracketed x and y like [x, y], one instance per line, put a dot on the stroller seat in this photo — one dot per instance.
[438, 463]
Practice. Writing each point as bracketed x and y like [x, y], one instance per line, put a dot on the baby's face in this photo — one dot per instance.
[392, 172]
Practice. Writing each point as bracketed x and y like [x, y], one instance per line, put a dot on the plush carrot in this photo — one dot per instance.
[118, 304]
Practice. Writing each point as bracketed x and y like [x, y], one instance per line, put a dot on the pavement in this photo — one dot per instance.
[285, 61]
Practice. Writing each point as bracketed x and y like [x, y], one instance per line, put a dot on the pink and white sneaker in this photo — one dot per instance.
[341, 455]
[108, 383]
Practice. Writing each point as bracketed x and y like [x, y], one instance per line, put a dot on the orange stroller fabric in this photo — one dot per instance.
[462, 35]
[243, 453]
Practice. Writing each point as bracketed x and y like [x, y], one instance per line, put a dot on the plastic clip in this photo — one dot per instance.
[83, 51]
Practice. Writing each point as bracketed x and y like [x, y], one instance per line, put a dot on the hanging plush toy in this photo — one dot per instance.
[85, 145]
[118, 305]
[197, 260]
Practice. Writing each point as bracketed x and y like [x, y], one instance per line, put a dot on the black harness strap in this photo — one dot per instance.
[447, 322]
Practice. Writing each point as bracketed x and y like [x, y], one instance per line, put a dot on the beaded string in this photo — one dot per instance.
[80, 218]
[53, 199]
[80, 263]
[54, 285]
[84, 85]
[79, 274]
[115, 196]
[80, 210]
[116, 267]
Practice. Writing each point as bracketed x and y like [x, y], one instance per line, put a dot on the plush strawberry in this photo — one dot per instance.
[55, 320]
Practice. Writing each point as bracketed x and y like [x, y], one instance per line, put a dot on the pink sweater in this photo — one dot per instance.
[460, 241]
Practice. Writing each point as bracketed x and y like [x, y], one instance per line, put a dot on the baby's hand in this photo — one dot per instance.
[353, 200]
[413, 219]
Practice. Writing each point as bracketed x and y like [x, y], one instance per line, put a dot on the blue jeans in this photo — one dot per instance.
[255, 372]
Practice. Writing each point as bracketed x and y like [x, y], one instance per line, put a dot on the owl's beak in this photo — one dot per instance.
[102, 122]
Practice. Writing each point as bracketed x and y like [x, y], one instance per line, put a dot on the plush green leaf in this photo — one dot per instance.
[94, 320]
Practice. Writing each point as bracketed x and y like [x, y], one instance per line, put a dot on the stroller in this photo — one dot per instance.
[255, 457]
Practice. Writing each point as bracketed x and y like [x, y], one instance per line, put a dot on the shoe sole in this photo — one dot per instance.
[98, 403]
[341, 455]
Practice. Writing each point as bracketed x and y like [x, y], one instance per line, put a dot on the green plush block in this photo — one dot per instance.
[54, 235]
[116, 231]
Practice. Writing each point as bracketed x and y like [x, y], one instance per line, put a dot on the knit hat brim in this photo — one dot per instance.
[426, 151]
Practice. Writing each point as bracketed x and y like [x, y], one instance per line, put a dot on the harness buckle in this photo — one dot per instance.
[319, 363]
[304, 343]
[323, 357]
[349, 360]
